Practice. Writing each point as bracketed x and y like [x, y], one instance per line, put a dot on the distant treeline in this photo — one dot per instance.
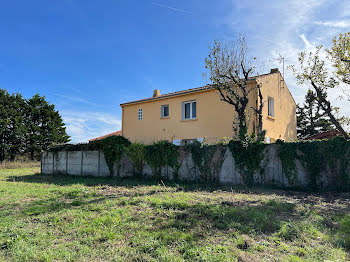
[28, 126]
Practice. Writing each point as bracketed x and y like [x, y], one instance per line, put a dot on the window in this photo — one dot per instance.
[271, 107]
[164, 111]
[189, 110]
[140, 114]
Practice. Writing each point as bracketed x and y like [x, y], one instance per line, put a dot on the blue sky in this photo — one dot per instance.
[88, 56]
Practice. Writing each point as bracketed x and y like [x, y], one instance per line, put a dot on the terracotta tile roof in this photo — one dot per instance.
[192, 90]
[325, 135]
[117, 133]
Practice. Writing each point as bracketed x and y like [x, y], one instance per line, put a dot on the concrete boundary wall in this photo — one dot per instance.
[92, 163]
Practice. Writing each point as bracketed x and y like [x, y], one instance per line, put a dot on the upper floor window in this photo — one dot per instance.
[271, 107]
[164, 111]
[140, 114]
[189, 110]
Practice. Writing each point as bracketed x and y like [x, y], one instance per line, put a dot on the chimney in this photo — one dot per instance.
[156, 93]
[274, 70]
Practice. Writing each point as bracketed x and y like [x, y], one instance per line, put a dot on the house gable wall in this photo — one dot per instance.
[283, 124]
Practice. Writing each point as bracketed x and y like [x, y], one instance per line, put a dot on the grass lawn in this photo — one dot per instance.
[55, 218]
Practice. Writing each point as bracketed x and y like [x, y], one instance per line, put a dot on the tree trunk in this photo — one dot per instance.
[326, 106]
[260, 116]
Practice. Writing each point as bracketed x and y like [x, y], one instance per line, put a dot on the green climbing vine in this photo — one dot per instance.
[208, 158]
[136, 153]
[113, 148]
[160, 154]
[316, 156]
[248, 156]
[288, 153]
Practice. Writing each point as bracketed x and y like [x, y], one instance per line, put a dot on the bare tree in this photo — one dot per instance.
[230, 70]
[314, 71]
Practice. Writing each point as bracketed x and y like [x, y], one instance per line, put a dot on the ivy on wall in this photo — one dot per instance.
[288, 154]
[113, 148]
[136, 153]
[317, 156]
[248, 157]
[208, 158]
[160, 154]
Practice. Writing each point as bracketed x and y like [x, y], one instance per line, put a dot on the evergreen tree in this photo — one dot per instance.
[12, 128]
[28, 126]
[3, 123]
[45, 126]
[311, 119]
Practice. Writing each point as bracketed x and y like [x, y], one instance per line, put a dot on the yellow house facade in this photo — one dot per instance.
[200, 114]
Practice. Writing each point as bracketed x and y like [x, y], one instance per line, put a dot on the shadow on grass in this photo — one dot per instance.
[128, 182]
[302, 195]
[265, 217]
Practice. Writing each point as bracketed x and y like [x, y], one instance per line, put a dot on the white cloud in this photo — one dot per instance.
[340, 23]
[172, 8]
[82, 126]
[286, 28]
[308, 45]
[77, 99]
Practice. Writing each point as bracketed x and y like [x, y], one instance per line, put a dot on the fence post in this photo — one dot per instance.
[53, 162]
[82, 162]
[41, 163]
[67, 162]
[98, 163]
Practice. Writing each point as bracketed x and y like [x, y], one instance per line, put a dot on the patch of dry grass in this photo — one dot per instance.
[19, 164]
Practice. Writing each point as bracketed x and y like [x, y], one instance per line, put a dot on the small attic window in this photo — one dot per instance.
[140, 114]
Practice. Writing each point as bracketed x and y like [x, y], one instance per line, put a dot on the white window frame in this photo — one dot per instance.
[271, 106]
[162, 111]
[191, 108]
[140, 114]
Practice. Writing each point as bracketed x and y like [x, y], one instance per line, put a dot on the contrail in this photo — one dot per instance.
[172, 8]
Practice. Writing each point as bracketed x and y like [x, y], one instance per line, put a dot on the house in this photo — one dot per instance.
[199, 113]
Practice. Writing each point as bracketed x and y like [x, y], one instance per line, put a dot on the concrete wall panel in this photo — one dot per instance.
[92, 163]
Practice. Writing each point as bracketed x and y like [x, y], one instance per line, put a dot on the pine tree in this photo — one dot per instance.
[311, 119]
